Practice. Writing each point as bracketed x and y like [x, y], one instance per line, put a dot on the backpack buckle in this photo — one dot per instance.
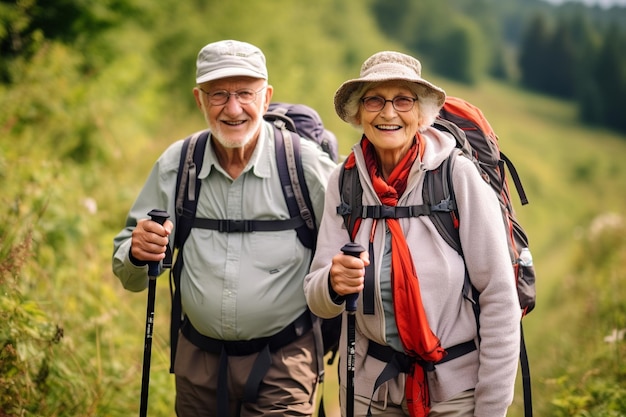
[280, 124]
[234, 226]
[380, 212]
[344, 209]
[446, 205]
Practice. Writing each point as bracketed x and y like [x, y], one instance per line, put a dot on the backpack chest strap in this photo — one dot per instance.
[246, 226]
[394, 212]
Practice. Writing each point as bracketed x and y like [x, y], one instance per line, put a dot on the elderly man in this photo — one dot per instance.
[246, 346]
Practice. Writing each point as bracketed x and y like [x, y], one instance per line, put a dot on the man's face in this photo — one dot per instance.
[233, 123]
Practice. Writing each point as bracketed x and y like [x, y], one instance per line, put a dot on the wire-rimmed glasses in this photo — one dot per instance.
[399, 103]
[221, 97]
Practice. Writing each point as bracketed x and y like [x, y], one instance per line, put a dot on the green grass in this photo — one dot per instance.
[55, 257]
[572, 174]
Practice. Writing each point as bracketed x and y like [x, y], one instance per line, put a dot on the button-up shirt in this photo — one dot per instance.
[234, 286]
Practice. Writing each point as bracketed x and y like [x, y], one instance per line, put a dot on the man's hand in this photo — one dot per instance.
[149, 240]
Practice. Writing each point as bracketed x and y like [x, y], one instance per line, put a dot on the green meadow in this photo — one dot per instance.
[83, 121]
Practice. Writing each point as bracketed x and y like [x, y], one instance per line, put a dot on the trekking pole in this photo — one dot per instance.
[158, 216]
[352, 249]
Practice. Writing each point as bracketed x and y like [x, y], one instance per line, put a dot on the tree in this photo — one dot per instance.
[72, 22]
[610, 71]
[534, 53]
[462, 54]
[562, 63]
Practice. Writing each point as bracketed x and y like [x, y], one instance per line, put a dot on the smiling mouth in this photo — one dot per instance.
[233, 123]
[388, 127]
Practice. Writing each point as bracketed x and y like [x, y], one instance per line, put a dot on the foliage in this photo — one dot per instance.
[74, 123]
[89, 100]
[61, 119]
[595, 387]
[28, 23]
[456, 49]
[462, 56]
[609, 72]
[32, 371]
[553, 50]
[572, 60]
[533, 53]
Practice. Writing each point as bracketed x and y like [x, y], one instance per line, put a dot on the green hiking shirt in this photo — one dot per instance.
[234, 286]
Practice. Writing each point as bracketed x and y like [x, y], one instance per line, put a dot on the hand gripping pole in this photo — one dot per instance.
[352, 249]
[158, 216]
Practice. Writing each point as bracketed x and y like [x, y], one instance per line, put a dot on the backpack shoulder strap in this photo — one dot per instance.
[457, 133]
[188, 184]
[295, 190]
[438, 193]
[187, 192]
[351, 194]
[352, 210]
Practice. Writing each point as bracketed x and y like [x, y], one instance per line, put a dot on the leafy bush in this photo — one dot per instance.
[34, 374]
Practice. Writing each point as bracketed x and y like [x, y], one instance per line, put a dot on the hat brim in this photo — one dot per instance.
[427, 91]
[229, 72]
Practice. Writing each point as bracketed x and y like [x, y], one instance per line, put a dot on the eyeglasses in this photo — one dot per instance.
[221, 97]
[399, 103]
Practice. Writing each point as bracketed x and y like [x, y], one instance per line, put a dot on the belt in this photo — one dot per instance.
[247, 347]
[398, 362]
[387, 353]
[263, 346]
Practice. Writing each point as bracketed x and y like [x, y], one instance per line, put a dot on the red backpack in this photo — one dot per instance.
[478, 142]
[482, 146]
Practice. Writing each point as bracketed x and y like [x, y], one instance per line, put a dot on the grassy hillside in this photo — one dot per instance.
[573, 175]
[77, 145]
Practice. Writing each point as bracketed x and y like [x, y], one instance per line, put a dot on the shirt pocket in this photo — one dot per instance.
[274, 250]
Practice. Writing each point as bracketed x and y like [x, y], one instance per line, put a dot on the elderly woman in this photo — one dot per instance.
[420, 329]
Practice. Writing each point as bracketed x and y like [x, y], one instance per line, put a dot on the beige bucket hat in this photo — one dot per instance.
[387, 66]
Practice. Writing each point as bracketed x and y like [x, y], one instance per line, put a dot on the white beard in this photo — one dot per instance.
[228, 141]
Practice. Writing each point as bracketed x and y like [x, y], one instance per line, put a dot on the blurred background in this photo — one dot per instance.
[91, 92]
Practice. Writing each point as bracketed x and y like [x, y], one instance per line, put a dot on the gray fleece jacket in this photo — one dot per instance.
[491, 369]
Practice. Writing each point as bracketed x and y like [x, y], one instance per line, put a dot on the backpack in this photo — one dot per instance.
[476, 140]
[286, 119]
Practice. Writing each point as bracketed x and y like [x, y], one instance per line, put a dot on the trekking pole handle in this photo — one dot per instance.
[352, 249]
[158, 216]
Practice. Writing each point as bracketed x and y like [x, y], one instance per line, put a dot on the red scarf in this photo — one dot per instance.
[415, 334]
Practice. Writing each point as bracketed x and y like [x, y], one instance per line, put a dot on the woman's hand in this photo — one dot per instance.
[347, 273]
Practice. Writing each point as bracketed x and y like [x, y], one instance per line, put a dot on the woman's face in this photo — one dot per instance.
[388, 129]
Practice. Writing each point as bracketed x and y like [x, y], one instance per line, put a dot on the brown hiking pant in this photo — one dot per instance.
[288, 388]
